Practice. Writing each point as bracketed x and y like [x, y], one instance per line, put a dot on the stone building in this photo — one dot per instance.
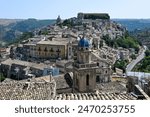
[124, 54]
[46, 49]
[93, 16]
[4, 53]
[17, 69]
[134, 88]
[104, 71]
[84, 69]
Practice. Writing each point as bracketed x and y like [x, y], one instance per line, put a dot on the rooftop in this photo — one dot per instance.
[115, 86]
[63, 39]
[94, 96]
[53, 42]
[24, 63]
[27, 91]
[61, 82]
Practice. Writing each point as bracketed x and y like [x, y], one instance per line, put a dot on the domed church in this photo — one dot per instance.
[84, 68]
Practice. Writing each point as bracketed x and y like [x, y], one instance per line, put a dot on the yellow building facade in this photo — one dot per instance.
[48, 50]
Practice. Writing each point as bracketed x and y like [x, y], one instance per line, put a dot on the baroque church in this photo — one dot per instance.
[87, 72]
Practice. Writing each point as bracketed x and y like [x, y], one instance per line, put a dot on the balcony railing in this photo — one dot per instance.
[87, 65]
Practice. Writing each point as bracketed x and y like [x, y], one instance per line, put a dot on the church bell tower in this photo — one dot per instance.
[84, 69]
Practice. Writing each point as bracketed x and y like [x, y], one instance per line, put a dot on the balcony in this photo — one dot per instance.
[86, 65]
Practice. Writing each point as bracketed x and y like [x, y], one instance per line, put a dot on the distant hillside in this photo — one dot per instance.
[11, 29]
[31, 24]
[132, 24]
[6, 22]
[143, 36]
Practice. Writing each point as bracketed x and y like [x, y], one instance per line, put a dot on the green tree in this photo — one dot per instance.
[144, 65]
[2, 78]
[24, 36]
[68, 22]
[133, 56]
[128, 42]
[121, 64]
[147, 52]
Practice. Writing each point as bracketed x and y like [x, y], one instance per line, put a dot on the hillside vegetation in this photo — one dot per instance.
[125, 42]
[144, 65]
[14, 29]
[143, 36]
[6, 22]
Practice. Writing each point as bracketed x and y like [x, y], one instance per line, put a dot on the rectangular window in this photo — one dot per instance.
[97, 79]
[87, 80]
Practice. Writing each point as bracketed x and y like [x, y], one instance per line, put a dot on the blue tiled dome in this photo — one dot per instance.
[83, 43]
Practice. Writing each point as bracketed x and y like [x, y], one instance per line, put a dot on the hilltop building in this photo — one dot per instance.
[93, 16]
[17, 69]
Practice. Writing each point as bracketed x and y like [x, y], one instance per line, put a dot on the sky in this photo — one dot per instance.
[50, 9]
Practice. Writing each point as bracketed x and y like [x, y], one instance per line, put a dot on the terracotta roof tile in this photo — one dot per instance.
[94, 96]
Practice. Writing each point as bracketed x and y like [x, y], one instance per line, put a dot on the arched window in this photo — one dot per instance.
[87, 80]
[97, 79]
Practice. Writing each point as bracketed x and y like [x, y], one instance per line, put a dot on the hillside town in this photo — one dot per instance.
[71, 60]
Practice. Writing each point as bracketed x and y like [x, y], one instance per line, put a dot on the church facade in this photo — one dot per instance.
[87, 72]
